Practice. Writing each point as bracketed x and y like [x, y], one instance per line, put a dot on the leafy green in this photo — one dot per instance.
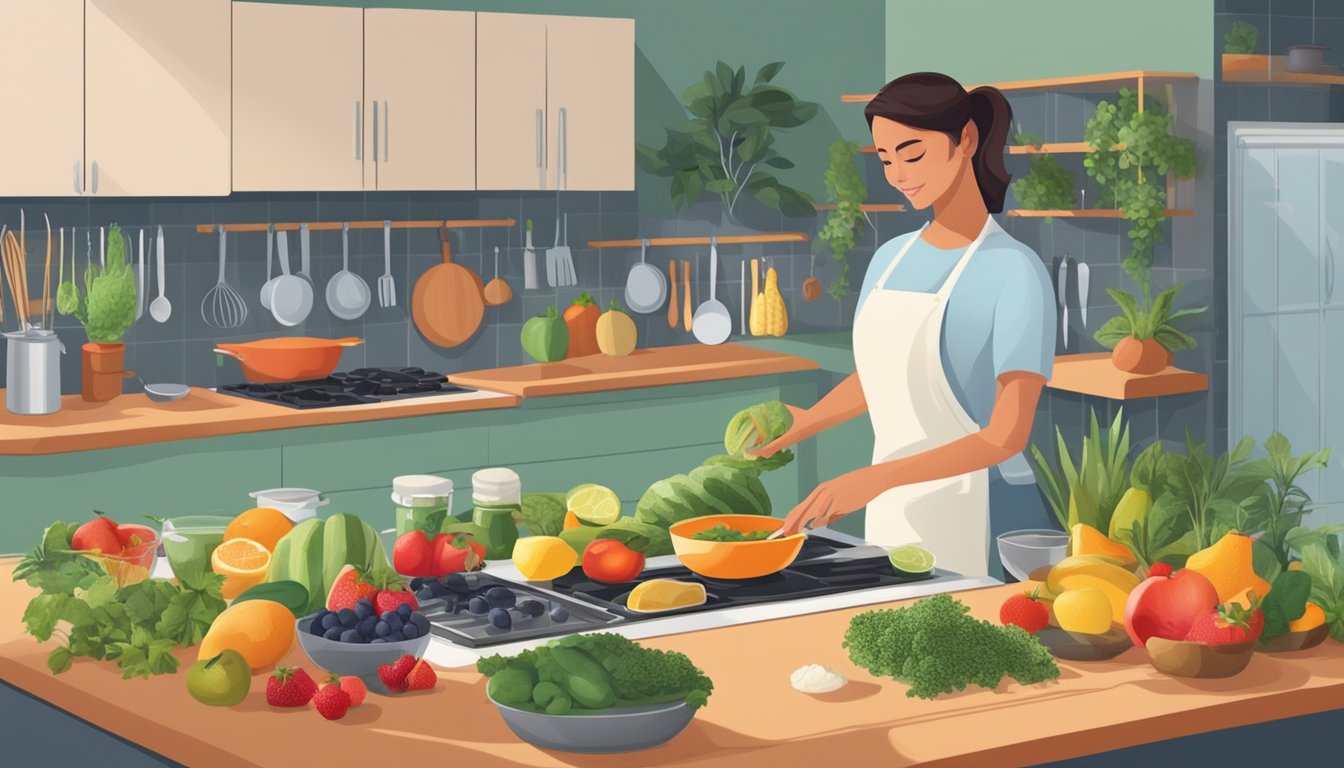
[1216, 494]
[1241, 38]
[757, 464]
[1286, 601]
[1284, 502]
[1089, 490]
[935, 647]
[106, 308]
[724, 533]
[1049, 186]
[1323, 562]
[848, 190]
[544, 513]
[1156, 321]
[756, 426]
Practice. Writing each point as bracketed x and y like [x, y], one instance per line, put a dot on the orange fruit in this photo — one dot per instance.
[261, 630]
[1311, 619]
[263, 525]
[242, 562]
[1227, 565]
[1086, 540]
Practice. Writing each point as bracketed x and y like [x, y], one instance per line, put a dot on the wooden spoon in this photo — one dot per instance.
[672, 305]
[686, 305]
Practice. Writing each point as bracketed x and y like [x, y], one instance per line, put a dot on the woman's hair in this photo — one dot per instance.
[932, 101]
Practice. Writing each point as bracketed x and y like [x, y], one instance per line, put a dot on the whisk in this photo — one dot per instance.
[222, 307]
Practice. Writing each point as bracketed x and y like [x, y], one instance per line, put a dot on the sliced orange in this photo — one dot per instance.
[263, 525]
[242, 562]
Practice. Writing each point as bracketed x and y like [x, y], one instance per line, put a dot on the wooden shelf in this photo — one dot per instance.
[320, 226]
[1142, 77]
[1057, 148]
[1090, 213]
[868, 207]
[1259, 68]
[1095, 374]
[772, 237]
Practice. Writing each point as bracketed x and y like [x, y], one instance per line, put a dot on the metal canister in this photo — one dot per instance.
[33, 372]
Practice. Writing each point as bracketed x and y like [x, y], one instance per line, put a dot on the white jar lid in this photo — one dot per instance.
[409, 487]
[495, 478]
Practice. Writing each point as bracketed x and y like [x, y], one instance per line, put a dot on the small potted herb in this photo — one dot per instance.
[106, 309]
[1239, 49]
[1141, 339]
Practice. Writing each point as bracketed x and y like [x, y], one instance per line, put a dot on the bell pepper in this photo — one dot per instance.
[581, 318]
[616, 333]
[546, 337]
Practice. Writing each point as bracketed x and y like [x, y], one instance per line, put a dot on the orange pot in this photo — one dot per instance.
[734, 559]
[288, 358]
[103, 366]
[1145, 357]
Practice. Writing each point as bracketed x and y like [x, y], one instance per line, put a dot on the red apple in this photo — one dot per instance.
[136, 539]
[1166, 606]
[99, 534]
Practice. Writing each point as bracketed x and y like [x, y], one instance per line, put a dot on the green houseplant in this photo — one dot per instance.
[1241, 38]
[1142, 338]
[846, 187]
[1048, 186]
[727, 146]
[106, 309]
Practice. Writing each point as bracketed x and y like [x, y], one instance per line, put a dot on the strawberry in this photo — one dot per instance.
[389, 599]
[413, 554]
[394, 675]
[351, 585]
[454, 552]
[355, 688]
[1162, 570]
[1026, 611]
[422, 677]
[1228, 623]
[332, 702]
[288, 687]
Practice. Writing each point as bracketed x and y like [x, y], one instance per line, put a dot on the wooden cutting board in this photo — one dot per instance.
[447, 304]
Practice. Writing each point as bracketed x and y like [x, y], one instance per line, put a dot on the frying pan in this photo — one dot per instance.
[645, 287]
[734, 559]
[447, 303]
[287, 358]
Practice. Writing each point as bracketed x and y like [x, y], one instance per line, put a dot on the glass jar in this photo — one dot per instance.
[496, 497]
[422, 502]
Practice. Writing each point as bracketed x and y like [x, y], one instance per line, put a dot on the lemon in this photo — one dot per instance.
[542, 558]
[594, 504]
[911, 560]
[261, 630]
[1086, 610]
[665, 595]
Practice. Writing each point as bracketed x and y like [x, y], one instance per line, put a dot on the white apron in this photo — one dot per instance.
[898, 355]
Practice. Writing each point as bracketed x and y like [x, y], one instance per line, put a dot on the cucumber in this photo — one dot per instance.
[290, 594]
[586, 681]
[298, 557]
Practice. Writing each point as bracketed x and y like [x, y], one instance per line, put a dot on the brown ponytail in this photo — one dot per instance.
[932, 101]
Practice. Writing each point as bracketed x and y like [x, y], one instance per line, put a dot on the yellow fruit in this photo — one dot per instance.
[542, 558]
[263, 525]
[665, 595]
[594, 504]
[1084, 610]
[1094, 572]
[1133, 507]
[1227, 565]
[261, 630]
[1311, 619]
[242, 562]
[1086, 540]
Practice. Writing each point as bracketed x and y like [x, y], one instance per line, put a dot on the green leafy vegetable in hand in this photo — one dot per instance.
[107, 307]
[544, 513]
[935, 647]
[753, 427]
[724, 533]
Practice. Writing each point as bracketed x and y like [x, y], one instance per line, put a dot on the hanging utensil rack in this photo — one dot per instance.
[320, 226]
[773, 237]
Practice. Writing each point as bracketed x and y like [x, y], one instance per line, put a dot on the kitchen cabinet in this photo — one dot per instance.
[43, 60]
[299, 116]
[157, 102]
[420, 80]
[555, 102]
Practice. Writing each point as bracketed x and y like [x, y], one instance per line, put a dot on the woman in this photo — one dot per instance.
[954, 335]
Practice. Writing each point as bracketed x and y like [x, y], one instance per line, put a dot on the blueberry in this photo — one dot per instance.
[456, 582]
[347, 618]
[366, 625]
[351, 636]
[559, 614]
[377, 640]
[531, 608]
[499, 597]
[478, 606]
[424, 593]
[410, 631]
[437, 588]
[382, 629]
[395, 622]
[421, 623]
[418, 582]
[363, 609]
[315, 626]
[330, 621]
[404, 611]
[500, 618]
[333, 634]
[386, 615]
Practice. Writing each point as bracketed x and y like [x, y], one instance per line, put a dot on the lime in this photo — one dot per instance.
[594, 504]
[911, 560]
[542, 558]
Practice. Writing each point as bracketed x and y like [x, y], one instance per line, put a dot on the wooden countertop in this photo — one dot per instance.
[656, 366]
[753, 718]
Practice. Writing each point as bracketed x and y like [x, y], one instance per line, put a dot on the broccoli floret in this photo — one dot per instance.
[935, 647]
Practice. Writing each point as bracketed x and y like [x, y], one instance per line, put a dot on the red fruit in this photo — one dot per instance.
[136, 538]
[1228, 623]
[611, 561]
[288, 687]
[394, 675]
[422, 677]
[99, 534]
[412, 555]
[332, 702]
[355, 688]
[1160, 569]
[1165, 607]
[1025, 610]
[351, 586]
[389, 599]
[454, 552]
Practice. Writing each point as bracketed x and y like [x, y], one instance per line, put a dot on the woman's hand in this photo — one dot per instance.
[796, 434]
[834, 499]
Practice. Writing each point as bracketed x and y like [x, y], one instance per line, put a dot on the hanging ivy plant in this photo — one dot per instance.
[1049, 186]
[846, 187]
[1134, 179]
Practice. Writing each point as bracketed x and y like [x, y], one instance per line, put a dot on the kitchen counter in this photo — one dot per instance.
[753, 717]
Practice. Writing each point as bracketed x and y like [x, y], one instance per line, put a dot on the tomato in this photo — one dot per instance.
[455, 552]
[610, 561]
[413, 555]
[1166, 606]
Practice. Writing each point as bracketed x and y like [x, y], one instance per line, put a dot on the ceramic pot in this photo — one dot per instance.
[103, 366]
[1306, 58]
[1144, 357]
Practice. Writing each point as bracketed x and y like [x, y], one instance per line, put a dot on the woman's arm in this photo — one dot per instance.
[842, 403]
[1007, 433]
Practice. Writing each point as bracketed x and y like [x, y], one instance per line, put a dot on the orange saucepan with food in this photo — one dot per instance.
[734, 559]
[287, 358]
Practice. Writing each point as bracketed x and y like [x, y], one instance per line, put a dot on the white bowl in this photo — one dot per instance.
[298, 504]
[1022, 552]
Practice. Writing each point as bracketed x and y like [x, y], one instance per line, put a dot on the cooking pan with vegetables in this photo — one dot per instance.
[727, 547]
[288, 358]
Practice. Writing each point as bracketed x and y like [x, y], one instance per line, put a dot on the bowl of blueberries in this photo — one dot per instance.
[357, 641]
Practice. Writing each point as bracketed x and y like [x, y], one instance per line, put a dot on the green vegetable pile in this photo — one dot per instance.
[107, 307]
[935, 647]
[724, 533]
[138, 625]
[582, 674]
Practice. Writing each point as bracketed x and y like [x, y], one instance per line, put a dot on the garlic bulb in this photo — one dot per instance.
[814, 678]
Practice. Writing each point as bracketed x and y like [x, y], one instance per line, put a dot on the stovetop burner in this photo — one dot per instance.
[357, 387]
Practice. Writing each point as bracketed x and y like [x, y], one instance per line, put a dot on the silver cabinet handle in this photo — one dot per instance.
[375, 131]
[541, 149]
[359, 130]
[79, 178]
[1329, 272]
[95, 177]
[384, 133]
[562, 146]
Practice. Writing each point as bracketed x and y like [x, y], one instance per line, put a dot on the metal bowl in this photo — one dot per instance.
[166, 393]
[359, 659]
[734, 559]
[618, 729]
[1027, 550]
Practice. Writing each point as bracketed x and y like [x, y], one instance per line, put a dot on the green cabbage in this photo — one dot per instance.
[753, 427]
[707, 490]
[544, 513]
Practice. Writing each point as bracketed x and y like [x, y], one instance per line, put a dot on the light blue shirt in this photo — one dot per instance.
[1000, 316]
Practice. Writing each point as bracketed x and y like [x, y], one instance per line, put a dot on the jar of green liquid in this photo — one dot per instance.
[422, 502]
[497, 496]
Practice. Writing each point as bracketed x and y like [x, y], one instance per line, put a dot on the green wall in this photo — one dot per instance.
[979, 41]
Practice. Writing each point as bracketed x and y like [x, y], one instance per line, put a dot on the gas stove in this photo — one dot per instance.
[357, 387]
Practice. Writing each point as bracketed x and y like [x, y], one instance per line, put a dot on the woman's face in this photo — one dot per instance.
[923, 165]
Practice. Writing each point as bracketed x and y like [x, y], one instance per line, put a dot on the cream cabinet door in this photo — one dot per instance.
[590, 82]
[42, 58]
[299, 116]
[157, 97]
[511, 101]
[420, 80]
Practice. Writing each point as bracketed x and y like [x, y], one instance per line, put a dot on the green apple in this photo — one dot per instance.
[221, 681]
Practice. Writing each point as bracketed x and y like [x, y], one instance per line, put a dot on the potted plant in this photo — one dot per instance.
[727, 146]
[1239, 48]
[846, 187]
[1142, 338]
[106, 309]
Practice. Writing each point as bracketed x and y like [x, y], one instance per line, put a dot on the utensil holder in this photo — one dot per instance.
[33, 372]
